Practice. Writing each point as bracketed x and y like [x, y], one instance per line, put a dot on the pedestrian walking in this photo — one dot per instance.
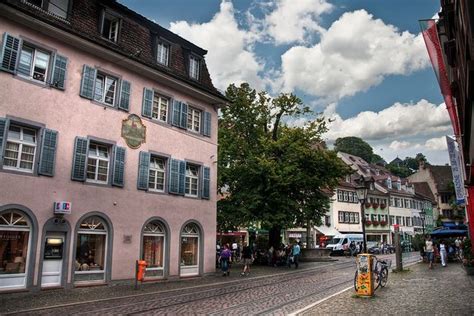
[247, 258]
[289, 255]
[224, 260]
[443, 253]
[296, 254]
[429, 251]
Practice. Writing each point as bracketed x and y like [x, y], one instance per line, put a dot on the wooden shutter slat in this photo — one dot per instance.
[175, 115]
[147, 104]
[81, 147]
[48, 152]
[89, 75]
[125, 91]
[58, 78]
[207, 124]
[10, 50]
[3, 135]
[206, 182]
[119, 167]
[182, 177]
[143, 170]
[184, 116]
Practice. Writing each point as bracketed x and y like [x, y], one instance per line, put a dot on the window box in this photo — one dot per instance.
[368, 223]
[375, 223]
[383, 206]
[375, 205]
[367, 205]
[34, 63]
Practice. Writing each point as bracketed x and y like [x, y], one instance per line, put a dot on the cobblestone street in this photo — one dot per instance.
[269, 290]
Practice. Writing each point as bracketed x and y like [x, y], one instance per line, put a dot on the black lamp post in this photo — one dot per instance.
[362, 190]
[422, 216]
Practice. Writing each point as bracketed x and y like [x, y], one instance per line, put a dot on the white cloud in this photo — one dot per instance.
[230, 57]
[397, 145]
[357, 52]
[438, 143]
[294, 21]
[398, 120]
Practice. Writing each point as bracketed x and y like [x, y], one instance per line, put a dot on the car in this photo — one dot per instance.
[374, 250]
[389, 248]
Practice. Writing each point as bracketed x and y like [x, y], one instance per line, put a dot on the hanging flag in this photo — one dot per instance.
[456, 169]
[430, 35]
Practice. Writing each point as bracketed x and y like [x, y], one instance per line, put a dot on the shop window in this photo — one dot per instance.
[91, 249]
[153, 248]
[14, 245]
[190, 236]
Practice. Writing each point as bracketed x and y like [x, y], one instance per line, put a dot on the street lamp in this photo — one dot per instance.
[422, 216]
[362, 190]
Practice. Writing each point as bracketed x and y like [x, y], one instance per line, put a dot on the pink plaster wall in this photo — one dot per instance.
[71, 115]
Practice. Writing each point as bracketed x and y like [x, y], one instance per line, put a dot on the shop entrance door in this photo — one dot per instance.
[52, 260]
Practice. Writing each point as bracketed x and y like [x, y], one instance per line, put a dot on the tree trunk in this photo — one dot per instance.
[308, 234]
[274, 237]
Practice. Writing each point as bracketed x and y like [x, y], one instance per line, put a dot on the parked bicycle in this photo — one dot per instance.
[379, 273]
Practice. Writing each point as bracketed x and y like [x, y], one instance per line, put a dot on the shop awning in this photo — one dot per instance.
[327, 231]
[232, 234]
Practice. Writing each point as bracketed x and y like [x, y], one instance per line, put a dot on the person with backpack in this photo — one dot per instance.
[224, 259]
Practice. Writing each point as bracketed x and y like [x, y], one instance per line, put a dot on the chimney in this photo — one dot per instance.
[421, 164]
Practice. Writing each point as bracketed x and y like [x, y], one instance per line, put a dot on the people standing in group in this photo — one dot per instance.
[224, 260]
[247, 258]
[443, 251]
[429, 251]
[296, 251]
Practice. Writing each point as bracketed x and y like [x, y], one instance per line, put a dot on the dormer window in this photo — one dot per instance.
[399, 185]
[389, 183]
[57, 7]
[162, 53]
[194, 64]
[110, 27]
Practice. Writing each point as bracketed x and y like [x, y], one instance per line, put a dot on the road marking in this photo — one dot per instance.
[318, 302]
[335, 294]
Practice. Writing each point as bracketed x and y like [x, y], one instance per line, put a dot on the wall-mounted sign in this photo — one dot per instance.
[62, 207]
[133, 131]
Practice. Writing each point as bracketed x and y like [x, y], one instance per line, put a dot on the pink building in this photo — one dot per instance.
[115, 118]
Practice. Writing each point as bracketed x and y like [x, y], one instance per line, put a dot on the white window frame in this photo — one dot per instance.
[21, 142]
[157, 233]
[351, 217]
[340, 195]
[341, 216]
[346, 196]
[194, 65]
[194, 124]
[98, 158]
[163, 53]
[158, 107]
[356, 218]
[114, 27]
[105, 77]
[188, 181]
[34, 57]
[156, 171]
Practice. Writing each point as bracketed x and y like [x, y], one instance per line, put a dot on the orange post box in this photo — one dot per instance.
[365, 280]
[141, 270]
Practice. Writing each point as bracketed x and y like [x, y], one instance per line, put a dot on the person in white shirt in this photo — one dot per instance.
[429, 250]
[443, 251]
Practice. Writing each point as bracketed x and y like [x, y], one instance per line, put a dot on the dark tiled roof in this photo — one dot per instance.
[443, 176]
[423, 189]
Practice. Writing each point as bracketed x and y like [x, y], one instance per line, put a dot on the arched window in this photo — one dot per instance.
[153, 248]
[15, 244]
[190, 236]
[91, 249]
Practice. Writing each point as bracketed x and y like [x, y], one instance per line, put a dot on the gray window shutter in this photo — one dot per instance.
[173, 183]
[184, 115]
[175, 120]
[58, 78]
[143, 170]
[119, 167]
[206, 182]
[3, 136]
[147, 105]
[80, 159]
[125, 89]
[207, 124]
[89, 75]
[182, 177]
[48, 152]
[10, 51]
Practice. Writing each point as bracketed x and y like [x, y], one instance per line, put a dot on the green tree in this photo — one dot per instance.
[269, 172]
[355, 146]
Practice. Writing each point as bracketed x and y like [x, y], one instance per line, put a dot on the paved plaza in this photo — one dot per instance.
[269, 291]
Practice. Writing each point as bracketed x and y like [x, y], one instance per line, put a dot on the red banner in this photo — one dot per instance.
[430, 35]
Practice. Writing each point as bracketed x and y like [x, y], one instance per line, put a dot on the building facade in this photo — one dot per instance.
[108, 144]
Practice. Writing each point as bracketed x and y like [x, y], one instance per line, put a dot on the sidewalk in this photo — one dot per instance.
[10, 302]
[419, 291]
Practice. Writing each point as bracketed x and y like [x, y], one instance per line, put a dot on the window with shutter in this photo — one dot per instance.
[48, 152]
[147, 103]
[175, 177]
[160, 108]
[80, 158]
[98, 163]
[157, 174]
[20, 148]
[58, 77]
[119, 167]
[143, 169]
[124, 103]
[194, 119]
[10, 50]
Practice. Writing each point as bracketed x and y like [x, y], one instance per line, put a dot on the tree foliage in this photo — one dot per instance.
[356, 146]
[269, 172]
[406, 167]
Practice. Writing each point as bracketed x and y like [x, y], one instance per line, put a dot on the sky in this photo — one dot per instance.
[363, 64]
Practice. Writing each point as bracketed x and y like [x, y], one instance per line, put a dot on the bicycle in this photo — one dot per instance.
[379, 273]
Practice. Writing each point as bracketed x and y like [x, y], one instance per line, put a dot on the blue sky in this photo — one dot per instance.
[361, 63]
